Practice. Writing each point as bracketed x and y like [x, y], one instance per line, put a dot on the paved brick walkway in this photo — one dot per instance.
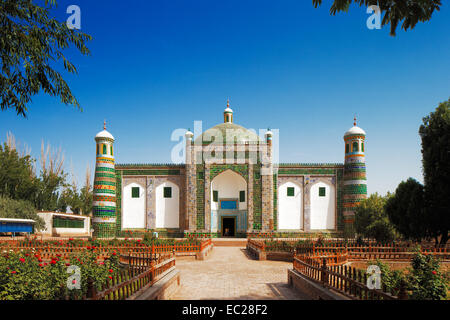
[227, 273]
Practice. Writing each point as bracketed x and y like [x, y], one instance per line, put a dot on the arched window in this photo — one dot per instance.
[104, 149]
[355, 147]
[111, 150]
[362, 146]
[347, 148]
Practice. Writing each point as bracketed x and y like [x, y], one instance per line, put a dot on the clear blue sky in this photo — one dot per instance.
[159, 65]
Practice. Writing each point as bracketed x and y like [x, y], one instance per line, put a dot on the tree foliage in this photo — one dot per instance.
[30, 43]
[395, 11]
[371, 220]
[47, 191]
[17, 180]
[20, 209]
[435, 135]
[406, 210]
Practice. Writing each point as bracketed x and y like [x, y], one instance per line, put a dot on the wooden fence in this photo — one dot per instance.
[348, 281]
[398, 252]
[47, 251]
[143, 271]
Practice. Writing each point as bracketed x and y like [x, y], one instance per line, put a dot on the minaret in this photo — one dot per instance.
[190, 217]
[104, 197]
[228, 114]
[267, 184]
[355, 182]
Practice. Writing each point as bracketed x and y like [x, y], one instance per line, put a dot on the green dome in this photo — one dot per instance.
[241, 135]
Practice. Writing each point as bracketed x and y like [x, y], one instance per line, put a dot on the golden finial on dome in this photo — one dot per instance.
[104, 124]
[354, 121]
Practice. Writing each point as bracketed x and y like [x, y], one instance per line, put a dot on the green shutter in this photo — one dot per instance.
[67, 223]
[347, 148]
[104, 149]
[290, 191]
[135, 192]
[362, 147]
[167, 192]
[215, 196]
[321, 191]
[241, 196]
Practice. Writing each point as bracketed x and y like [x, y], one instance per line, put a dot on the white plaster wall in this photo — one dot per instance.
[167, 209]
[229, 183]
[133, 209]
[290, 208]
[48, 219]
[322, 208]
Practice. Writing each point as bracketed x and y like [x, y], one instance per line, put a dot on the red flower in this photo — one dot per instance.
[53, 262]
[433, 272]
[88, 248]
[74, 281]
[27, 255]
[40, 264]
[36, 256]
[67, 264]
[113, 253]
[22, 260]
[40, 260]
[111, 270]
[13, 272]
[110, 277]
[58, 255]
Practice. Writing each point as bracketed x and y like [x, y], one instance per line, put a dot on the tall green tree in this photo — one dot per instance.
[435, 135]
[406, 210]
[371, 220]
[17, 179]
[20, 209]
[31, 41]
[395, 11]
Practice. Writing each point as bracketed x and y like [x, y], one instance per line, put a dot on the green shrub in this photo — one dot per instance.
[390, 279]
[425, 279]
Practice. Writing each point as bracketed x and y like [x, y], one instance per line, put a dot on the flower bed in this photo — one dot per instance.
[26, 276]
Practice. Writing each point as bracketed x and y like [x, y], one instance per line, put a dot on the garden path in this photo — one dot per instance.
[228, 273]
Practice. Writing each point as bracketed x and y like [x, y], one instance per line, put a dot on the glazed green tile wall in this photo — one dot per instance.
[151, 172]
[257, 198]
[340, 216]
[306, 171]
[118, 201]
[242, 169]
[275, 195]
[200, 197]
[355, 189]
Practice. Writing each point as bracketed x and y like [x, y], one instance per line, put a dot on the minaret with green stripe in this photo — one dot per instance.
[104, 197]
[355, 181]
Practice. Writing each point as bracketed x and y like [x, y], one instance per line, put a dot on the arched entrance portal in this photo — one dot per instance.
[229, 204]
